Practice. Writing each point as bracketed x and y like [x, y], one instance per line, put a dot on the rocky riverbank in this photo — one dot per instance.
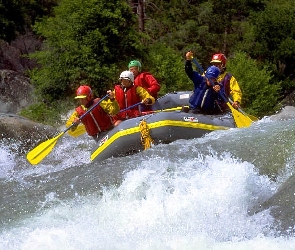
[16, 94]
[26, 133]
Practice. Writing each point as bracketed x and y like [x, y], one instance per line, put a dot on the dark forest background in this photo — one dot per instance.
[60, 44]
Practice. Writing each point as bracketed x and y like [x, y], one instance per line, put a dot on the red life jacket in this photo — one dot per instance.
[95, 121]
[127, 97]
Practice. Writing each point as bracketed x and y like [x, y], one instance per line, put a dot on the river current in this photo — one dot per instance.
[230, 189]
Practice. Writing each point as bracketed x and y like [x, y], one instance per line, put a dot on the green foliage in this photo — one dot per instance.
[87, 42]
[166, 16]
[213, 25]
[47, 113]
[270, 38]
[16, 16]
[11, 19]
[167, 66]
[260, 95]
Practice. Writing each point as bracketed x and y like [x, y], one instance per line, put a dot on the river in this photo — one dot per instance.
[221, 191]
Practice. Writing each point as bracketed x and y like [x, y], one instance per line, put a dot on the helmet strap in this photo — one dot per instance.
[223, 68]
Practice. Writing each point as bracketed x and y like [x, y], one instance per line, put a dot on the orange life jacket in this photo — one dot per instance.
[97, 120]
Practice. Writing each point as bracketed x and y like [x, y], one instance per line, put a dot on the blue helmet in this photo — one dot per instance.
[212, 72]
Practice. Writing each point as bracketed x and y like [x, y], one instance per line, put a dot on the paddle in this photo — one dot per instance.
[241, 119]
[42, 150]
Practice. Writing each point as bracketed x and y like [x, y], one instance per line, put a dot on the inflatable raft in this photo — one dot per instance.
[165, 124]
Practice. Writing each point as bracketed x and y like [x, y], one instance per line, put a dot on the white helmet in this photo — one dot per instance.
[127, 75]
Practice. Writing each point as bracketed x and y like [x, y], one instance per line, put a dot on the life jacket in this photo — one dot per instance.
[226, 83]
[206, 99]
[97, 120]
[127, 97]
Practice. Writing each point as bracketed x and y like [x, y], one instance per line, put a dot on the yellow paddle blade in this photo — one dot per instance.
[251, 117]
[80, 130]
[38, 153]
[241, 120]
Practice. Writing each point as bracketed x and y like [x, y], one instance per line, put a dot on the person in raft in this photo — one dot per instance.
[205, 98]
[229, 82]
[99, 120]
[144, 79]
[127, 95]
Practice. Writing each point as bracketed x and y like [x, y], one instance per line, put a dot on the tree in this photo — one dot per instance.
[17, 16]
[167, 65]
[210, 26]
[11, 19]
[85, 42]
[226, 18]
[260, 95]
[270, 38]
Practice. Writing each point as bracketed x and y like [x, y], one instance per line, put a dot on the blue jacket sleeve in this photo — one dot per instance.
[189, 69]
[196, 78]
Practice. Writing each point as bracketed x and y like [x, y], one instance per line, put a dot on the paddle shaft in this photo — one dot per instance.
[132, 106]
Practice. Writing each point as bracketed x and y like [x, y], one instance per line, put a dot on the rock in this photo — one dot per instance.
[15, 91]
[281, 206]
[289, 100]
[286, 113]
[25, 133]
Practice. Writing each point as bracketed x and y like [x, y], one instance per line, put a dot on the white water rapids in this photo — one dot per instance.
[190, 194]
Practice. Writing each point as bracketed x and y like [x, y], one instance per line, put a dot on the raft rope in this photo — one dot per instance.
[146, 138]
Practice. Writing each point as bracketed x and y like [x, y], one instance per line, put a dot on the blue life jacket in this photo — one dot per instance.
[205, 98]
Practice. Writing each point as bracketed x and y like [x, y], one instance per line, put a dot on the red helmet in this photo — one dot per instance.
[219, 58]
[83, 92]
